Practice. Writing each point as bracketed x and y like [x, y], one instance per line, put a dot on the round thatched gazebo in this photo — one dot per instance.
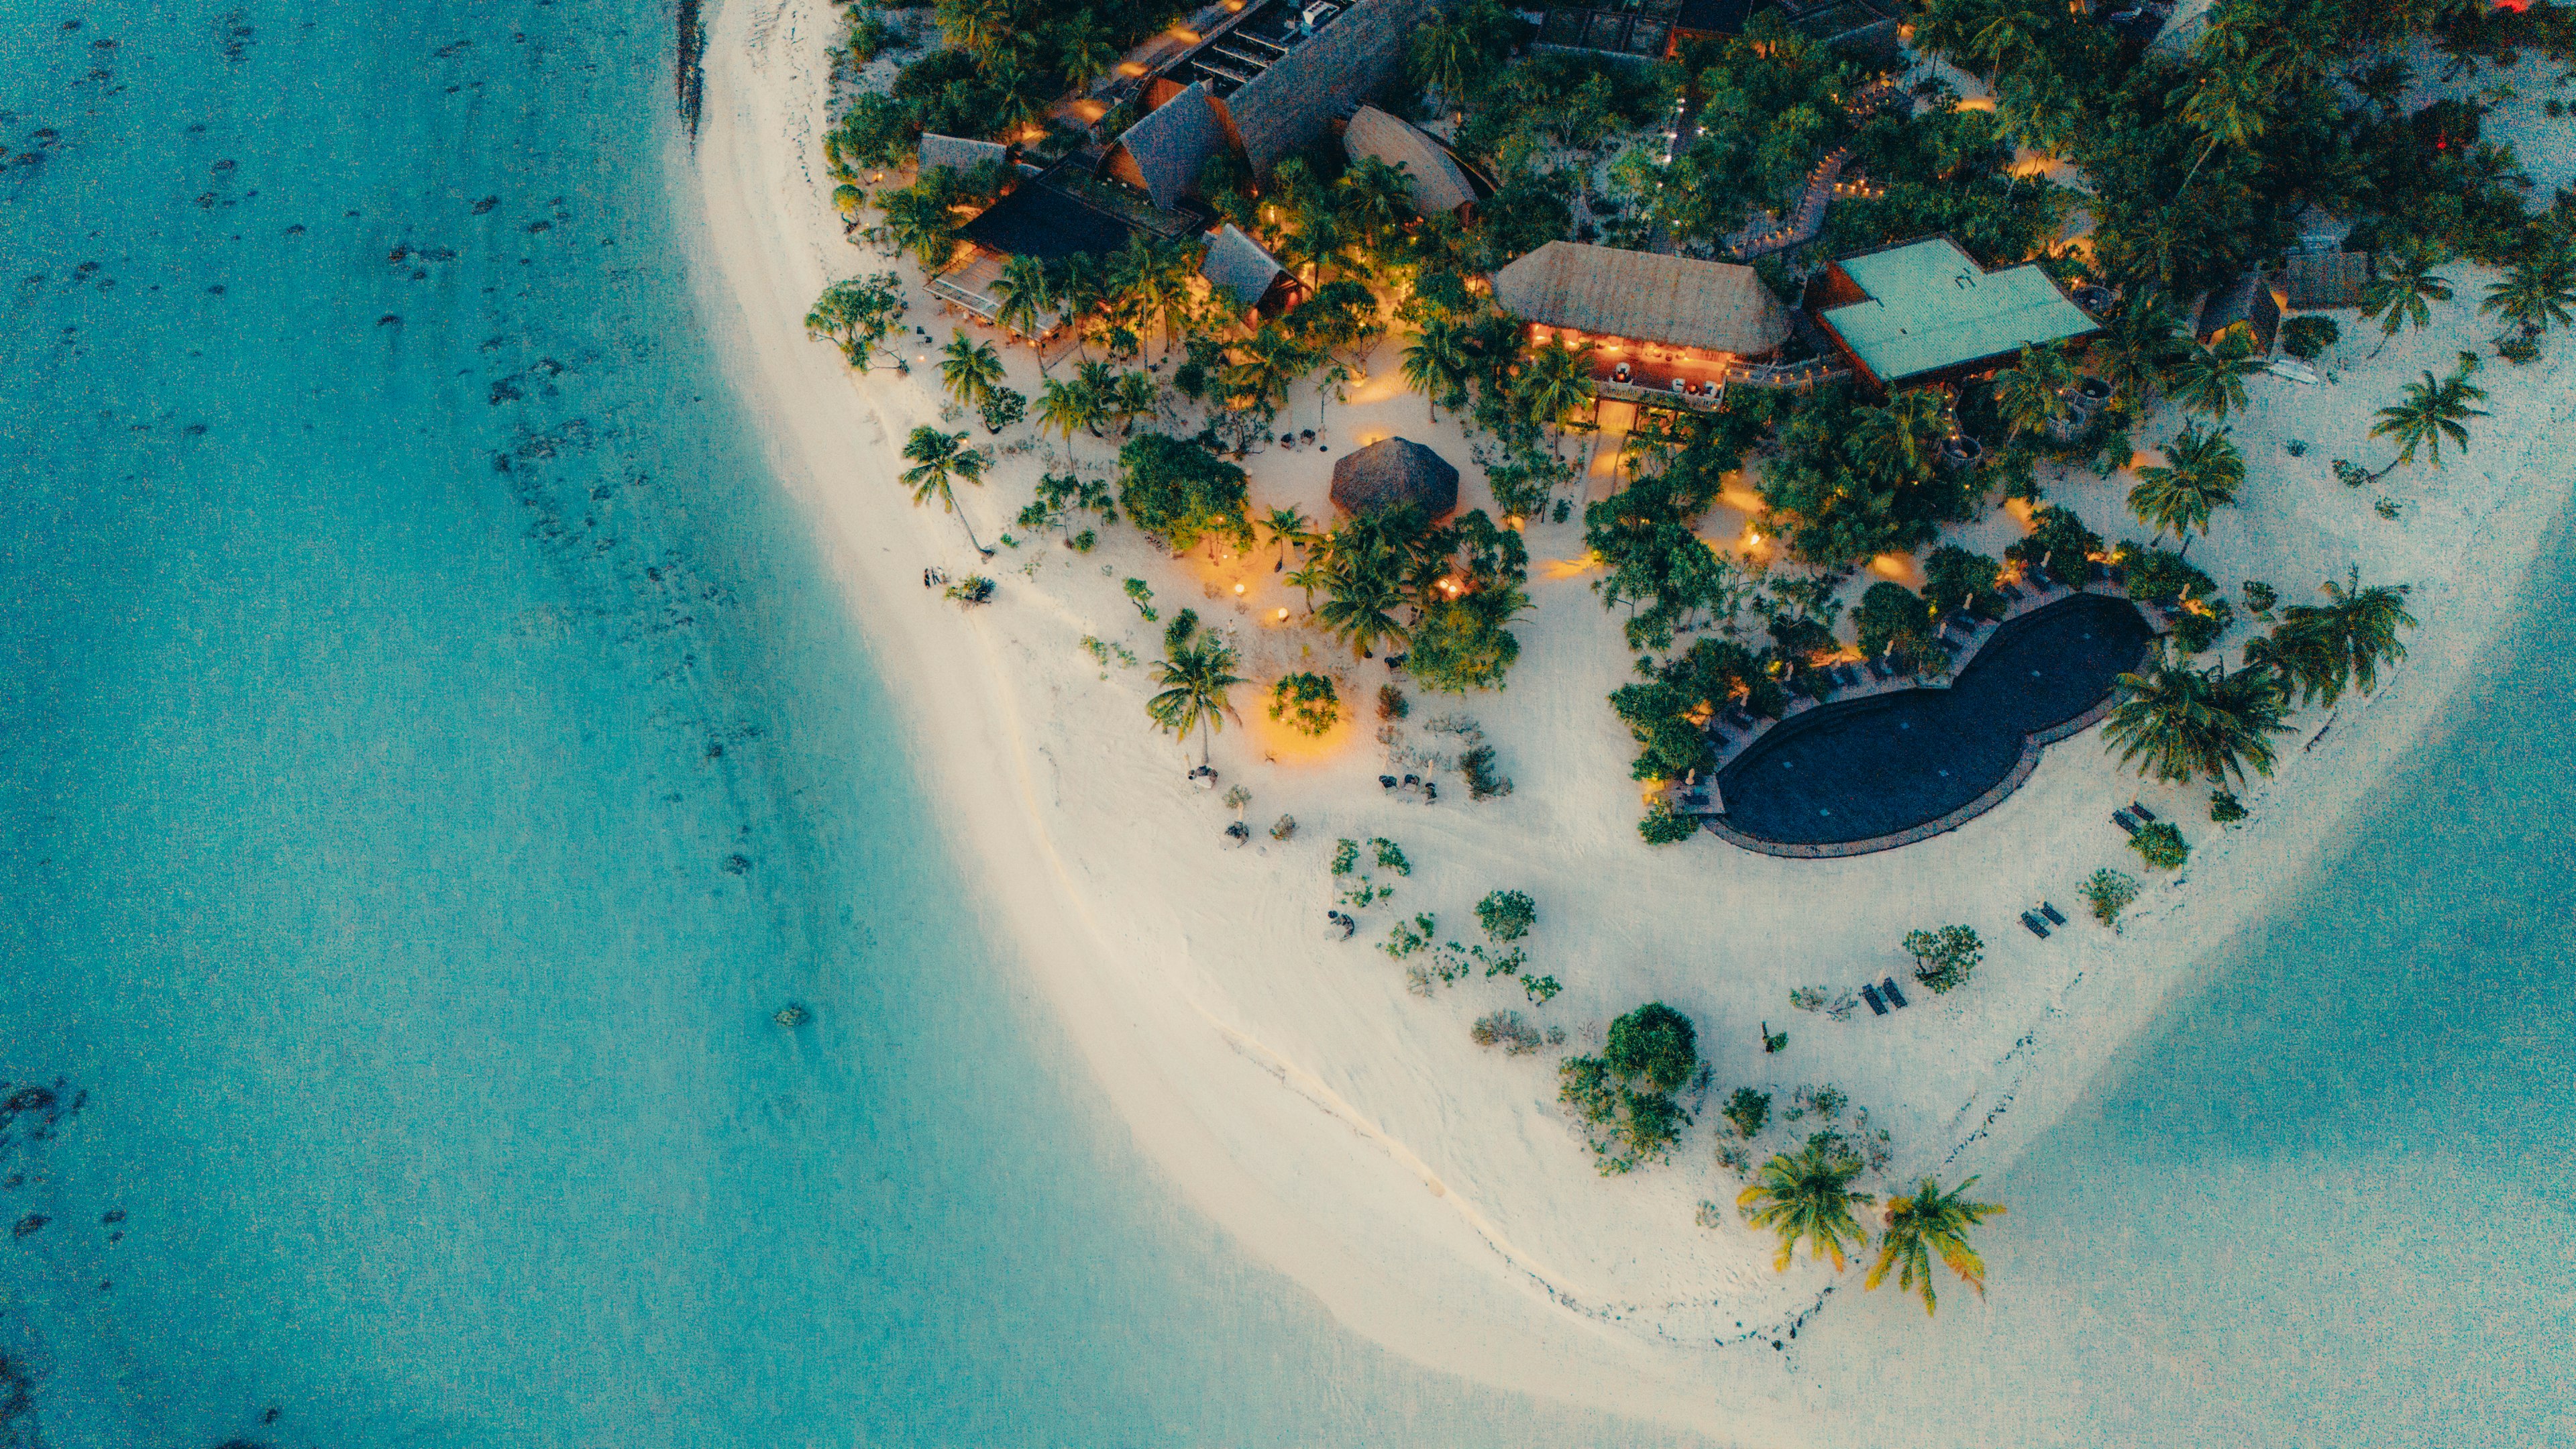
[1392, 472]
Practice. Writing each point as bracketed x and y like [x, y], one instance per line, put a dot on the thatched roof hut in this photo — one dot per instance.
[1348, 59]
[1236, 265]
[957, 153]
[2319, 281]
[1605, 291]
[1162, 153]
[1437, 185]
[1392, 472]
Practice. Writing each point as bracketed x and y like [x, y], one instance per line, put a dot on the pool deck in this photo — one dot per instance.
[2034, 599]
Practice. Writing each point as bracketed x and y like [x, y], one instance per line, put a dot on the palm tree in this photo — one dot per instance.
[1556, 383]
[1136, 396]
[970, 370]
[1376, 197]
[2537, 292]
[1807, 1195]
[938, 460]
[1084, 51]
[1896, 443]
[2212, 379]
[2201, 471]
[1437, 365]
[2006, 37]
[1063, 410]
[1026, 293]
[2325, 650]
[1322, 240]
[2140, 346]
[1365, 592]
[1272, 363]
[2404, 286]
[2431, 412]
[1447, 59]
[1287, 526]
[1934, 1222]
[2228, 108]
[2032, 392]
[1194, 682]
[922, 224]
[2189, 721]
[1096, 384]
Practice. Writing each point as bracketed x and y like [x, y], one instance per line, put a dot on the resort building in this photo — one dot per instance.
[2324, 281]
[959, 153]
[1670, 327]
[1237, 269]
[2251, 306]
[1391, 473]
[1924, 312]
[1264, 83]
[1436, 181]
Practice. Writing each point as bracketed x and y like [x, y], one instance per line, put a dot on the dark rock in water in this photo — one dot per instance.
[737, 865]
[112, 1215]
[28, 1099]
[486, 204]
[390, 319]
[28, 1224]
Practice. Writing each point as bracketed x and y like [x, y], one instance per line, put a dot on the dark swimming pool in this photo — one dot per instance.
[1866, 768]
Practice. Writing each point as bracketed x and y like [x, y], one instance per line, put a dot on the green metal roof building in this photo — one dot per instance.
[1924, 312]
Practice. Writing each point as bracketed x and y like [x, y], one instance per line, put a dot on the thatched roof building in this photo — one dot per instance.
[1645, 297]
[2248, 303]
[2320, 281]
[1436, 183]
[1236, 266]
[957, 153]
[1392, 472]
[1161, 154]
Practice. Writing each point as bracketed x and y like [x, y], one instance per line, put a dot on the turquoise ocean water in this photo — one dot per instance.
[429, 754]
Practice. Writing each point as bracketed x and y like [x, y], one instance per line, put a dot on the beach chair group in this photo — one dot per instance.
[2037, 922]
[1882, 996]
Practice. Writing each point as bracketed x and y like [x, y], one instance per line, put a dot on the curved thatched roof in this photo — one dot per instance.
[1437, 183]
[958, 153]
[1348, 60]
[1718, 306]
[1392, 472]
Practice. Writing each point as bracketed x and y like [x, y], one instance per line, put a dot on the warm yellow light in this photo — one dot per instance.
[1238, 591]
[1283, 616]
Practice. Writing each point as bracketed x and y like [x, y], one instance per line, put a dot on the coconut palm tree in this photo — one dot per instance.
[921, 223]
[1084, 51]
[1322, 240]
[1377, 198]
[1026, 293]
[1437, 366]
[1365, 592]
[969, 369]
[2537, 292]
[1931, 1223]
[1272, 363]
[1556, 384]
[2031, 393]
[2003, 40]
[1136, 396]
[2326, 649]
[1447, 59]
[2140, 346]
[2201, 471]
[1096, 384]
[2229, 107]
[1063, 410]
[1195, 679]
[1898, 443]
[2210, 379]
[1807, 1195]
[939, 459]
[2405, 286]
[1287, 526]
[2431, 412]
[2205, 722]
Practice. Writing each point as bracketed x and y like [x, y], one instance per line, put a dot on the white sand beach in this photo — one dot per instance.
[1430, 1192]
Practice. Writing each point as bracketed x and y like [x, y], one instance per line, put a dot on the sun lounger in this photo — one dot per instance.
[2009, 592]
[1736, 716]
[1876, 1006]
[1878, 669]
[2121, 819]
[1887, 988]
[1849, 675]
[2142, 812]
[2037, 926]
[2050, 911]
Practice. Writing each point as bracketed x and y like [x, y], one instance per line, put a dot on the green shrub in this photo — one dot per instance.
[1305, 702]
[1484, 782]
[1664, 826]
[1390, 856]
[1002, 407]
[1141, 594]
[1184, 625]
[1944, 957]
[2307, 337]
[1406, 937]
[2225, 808]
[1507, 915]
[2109, 892]
[1177, 492]
[2162, 576]
[1655, 1044]
[1749, 1110]
[2161, 846]
[2520, 350]
[2197, 629]
[1391, 704]
[2259, 598]
[1890, 614]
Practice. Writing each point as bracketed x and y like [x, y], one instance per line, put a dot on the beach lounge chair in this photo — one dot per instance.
[2037, 926]
[2050, 911]
[1878, 669]
[2142, 812]
[1876, 1006]
[1736, 716]
[2009, 592]
[1887, 988]
[2122, 819]
[1849, 675]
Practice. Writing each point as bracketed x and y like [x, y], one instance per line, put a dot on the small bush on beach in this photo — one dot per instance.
[1541, 990]
[1390, 856]
[972, 590]
[1001, 408]
[1283, 827]
[1175, 491]
[1509, 1031]
[1654, 1044]
[2307, 337]
[1484, 782]
[2161, 846]
[2109, 892]
[1178, 632]
[1506, 915]
[1665, 826]
[2225, 808]
[2259, 598]
[1944, 957]
[1407, 937]
[1306, 703]
[1749, 1110]
[1141, 594]
[1391, 704]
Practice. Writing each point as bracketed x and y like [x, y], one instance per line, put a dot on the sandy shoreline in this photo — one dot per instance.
[1423, 1191]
